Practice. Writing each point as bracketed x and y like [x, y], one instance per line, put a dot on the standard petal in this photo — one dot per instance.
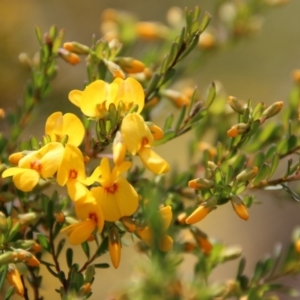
[93, 98]
[53, 126]
[75, 97]
[153, 161]
[73, 127]
[13, 171]
[51, 160]
[81, 232]
[27, 180]
[76, 190]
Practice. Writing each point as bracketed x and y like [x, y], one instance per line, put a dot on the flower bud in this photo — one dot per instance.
[156, 131]
[7, 257]
[271, 111]
[69, 57]
[60, 217]
[201, 211]
[114, 246]
[130, 65]
[236, 105]
[76, 48]
[237, 129]
[296, 76]
[179, 99]
[119, 149]
[14, 279]
[114, 69]
[25, 60]
[181, 218]
[202, 240]
[206, 40]
[129, 224]
[3, 223]
[239, 207]
[247, 174]
[201, 183]
[151, 30]
[297, 245]
[85, 289]
[2, 113]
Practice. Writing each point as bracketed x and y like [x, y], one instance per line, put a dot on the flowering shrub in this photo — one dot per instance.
[110, 183]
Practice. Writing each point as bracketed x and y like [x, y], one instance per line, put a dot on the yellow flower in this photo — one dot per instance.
[14, 279]
[38, 164]
[138, 139]
[146, 233]
[91, 217]
[59, 125]
[116, 195]
[71, 172]
[94, 101]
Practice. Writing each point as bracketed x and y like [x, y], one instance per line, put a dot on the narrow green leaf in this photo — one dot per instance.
[229, 174]
[86, 249]
[90, 273]
[218, 176]
[103, 247]
[101, 266]
[152, 84]
[259, 159]
[205, 22]
[43, 240]
[168, 122]
[270, 152]
[69, 257]
[180, 118]
[189, 47]
[173, 54]
[9, 293]
[241, 267]
[39, 35]
[287, 145]
[60, 246]
[3, 270]
[274, 165]
[263, 173]
[211, 95]
[13, 231]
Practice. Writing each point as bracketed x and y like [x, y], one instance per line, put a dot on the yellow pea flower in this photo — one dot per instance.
[138, 139]
[38, 164]
[59, 125]
[71, 173]
[146, 233]
[116, 195]
[94, 101]
[91, 218]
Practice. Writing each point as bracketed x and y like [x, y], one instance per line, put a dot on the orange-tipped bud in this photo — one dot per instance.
[296, 76]
[189, 247]
[156, 131]
[130, 65]
[236, 105]
[237, 129]
[36, 248]
[201, 183]
[271, 111]
[129, 224]
[198, 214]
[247, 174]
[181, 218]
[202, 240]
[14, 279]
[60, 217]
[69, 57]
[114, 246]
[152, 102]
[151, 30]
[85, 289]
[2, 113]
[239, 207]
[76, 48]
[297, 245]
[178, 98]
[15, 158]
[206, 40]
[114, 69]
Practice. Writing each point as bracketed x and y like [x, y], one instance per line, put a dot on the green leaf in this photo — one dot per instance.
[287, 145]
[229, 174]
[241, 267]
[43, 240]
[90, 273]
[60, 246]
[14, 231]
[101, 266]
[258, 159]
[274, 164]
[69, 257]
[263, 173]
[211, 95]
[180, 118]
[270, 152]
[173, 54]
[9, 293]
[205, 22]
[86, 249]
[152, 84]
[3, 271]
[218, 176]
[103, 247]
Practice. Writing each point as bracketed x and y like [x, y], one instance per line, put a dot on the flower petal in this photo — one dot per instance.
[80, 232]
[73, 127]
[75, 97]
[26, 180]
[166, 243]
[153, 161]
[53, 126]
[166, 215]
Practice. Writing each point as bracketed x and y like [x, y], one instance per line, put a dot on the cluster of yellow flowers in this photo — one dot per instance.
[104, 195]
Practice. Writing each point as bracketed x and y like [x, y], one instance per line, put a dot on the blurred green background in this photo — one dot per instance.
[258, 68]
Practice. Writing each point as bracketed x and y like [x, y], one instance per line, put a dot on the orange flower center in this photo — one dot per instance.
[112, 189]
[145, 141]
[36, 165]
[93, 216]
[73, 174]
